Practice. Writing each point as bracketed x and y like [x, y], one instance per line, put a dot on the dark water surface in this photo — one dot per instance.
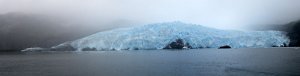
[202, 62]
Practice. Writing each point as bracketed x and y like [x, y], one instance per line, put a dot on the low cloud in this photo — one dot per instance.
[222, 14]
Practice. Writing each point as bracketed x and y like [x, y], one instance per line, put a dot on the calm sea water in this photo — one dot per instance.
[202, 62]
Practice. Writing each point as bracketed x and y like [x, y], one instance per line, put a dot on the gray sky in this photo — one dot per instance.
[223, 14]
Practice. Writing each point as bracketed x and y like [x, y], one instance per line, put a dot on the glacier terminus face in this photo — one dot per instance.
[161, 35]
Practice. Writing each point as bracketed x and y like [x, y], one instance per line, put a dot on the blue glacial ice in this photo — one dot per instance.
[158, 36]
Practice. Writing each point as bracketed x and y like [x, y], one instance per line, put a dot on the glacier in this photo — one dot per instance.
[160, 35]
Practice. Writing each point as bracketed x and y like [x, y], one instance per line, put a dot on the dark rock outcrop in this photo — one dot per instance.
[89, 49]
[178, 44]
[294, 34]
[225, 47]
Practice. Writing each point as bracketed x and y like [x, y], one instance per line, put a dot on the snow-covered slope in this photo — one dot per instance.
[158, 36]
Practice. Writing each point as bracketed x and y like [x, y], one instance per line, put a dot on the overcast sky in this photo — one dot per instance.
[223, 14]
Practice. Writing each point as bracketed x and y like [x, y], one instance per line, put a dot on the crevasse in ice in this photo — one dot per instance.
[158, 36]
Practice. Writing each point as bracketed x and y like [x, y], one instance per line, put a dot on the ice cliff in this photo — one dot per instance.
[160, 35]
